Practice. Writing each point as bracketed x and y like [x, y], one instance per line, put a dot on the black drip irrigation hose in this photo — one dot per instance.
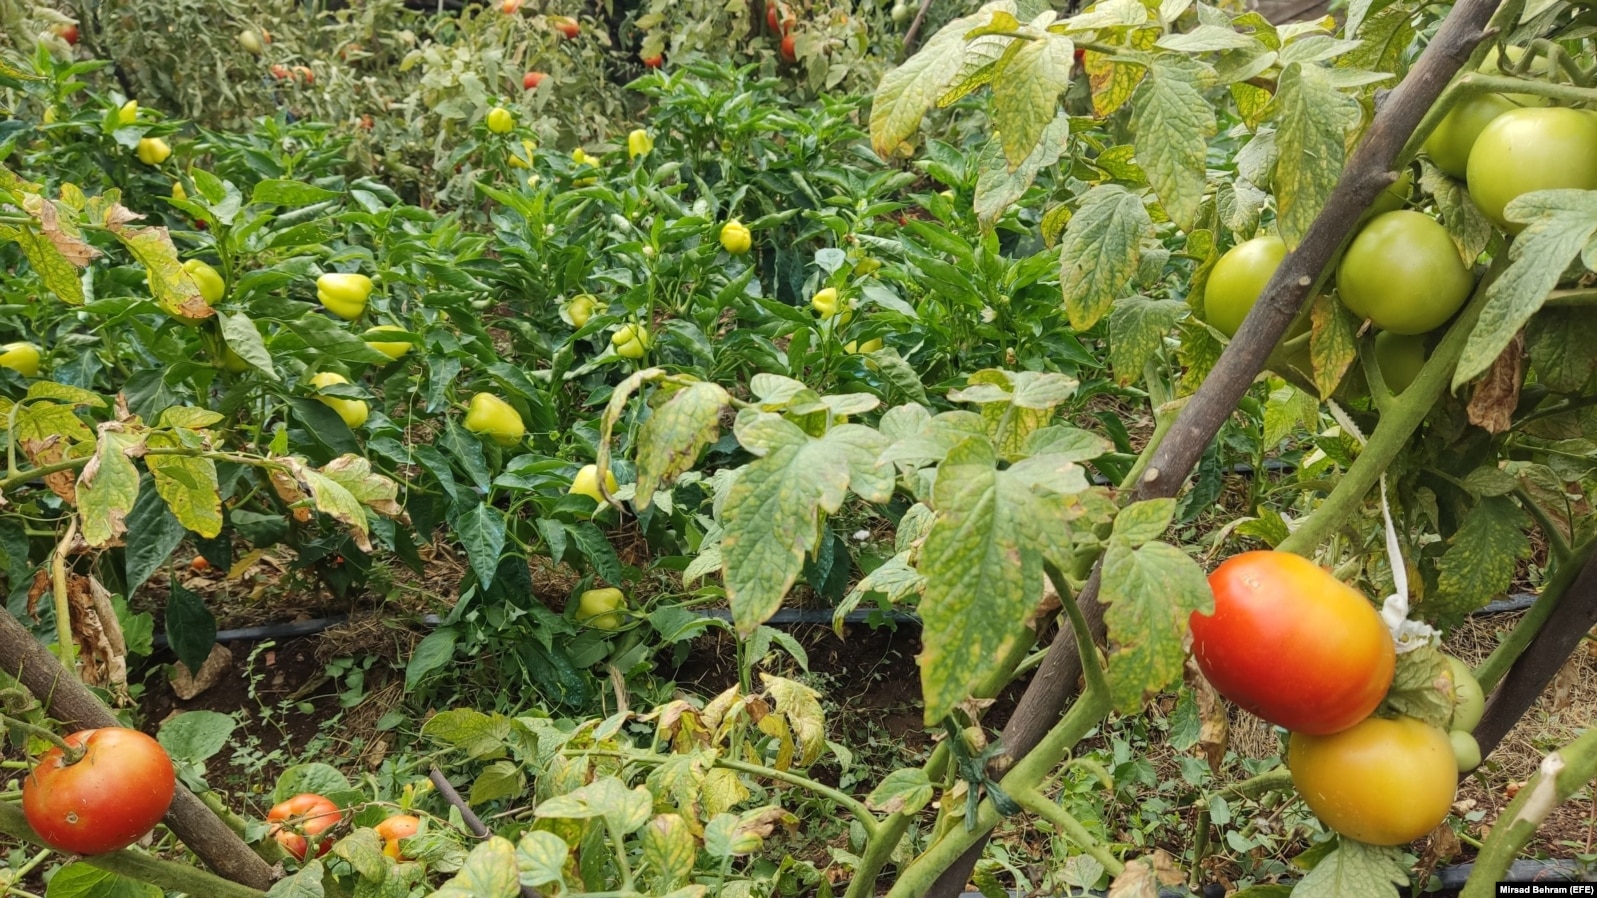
[783, 617]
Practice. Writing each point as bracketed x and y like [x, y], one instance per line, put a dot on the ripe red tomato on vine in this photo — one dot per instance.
[107, 800]
[306, 814]
[1292, 644]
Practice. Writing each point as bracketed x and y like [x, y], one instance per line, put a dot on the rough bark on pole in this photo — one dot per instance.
[1549, 649]
[66, 699]
[1369, 171]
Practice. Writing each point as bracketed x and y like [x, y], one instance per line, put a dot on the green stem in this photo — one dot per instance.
[619, 848]
[168, 875]
[1050, 810]
[1556, 544]
[71, 754]
[1392, 434]
[1571, 298]
[1088, 711]
[1562, 774]
[63, 607]
[1497, 665]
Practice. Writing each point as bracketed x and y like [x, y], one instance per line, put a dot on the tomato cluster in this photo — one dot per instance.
[1299, 648]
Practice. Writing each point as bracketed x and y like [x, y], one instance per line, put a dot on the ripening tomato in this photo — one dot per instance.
[395, 829]
[653, 62]
[1382, 782]
[306, 814]
[1237, 280]
[566, 25]
[1292, 644]
[789, 48]
[108, 800]
[1404, 273]
[1530, 149]
[1449, 145]
[532, 80]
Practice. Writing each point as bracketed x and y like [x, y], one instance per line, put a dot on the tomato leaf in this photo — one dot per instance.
[1313, 120]
[109, 484]
[1332, 344]
[1000, 185]
[541, 857]
[1152, 592]
[905, 93]
[1465, 223]
[84, 881]
[1026, 94]
[1100, 251]
[983, 561]
[771, 517]
[490, 871]
[1355, 870]
[1562, 223]
[1560, 343]
[672, 438]
[1173, 122]
[903, 791]
[1137, 329]
[1479, 562]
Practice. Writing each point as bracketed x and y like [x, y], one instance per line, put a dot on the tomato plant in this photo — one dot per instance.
[304, 815]
[1529, 149]
[107, 800]
[1292, 644]
[1381, 782]
[1404, 274]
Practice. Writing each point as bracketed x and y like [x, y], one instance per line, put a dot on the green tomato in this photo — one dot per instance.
[1491, 64]
[1466, 751]
[1449, 145]
[1469, 701]
[1400, 358]
[1394, 197]
[1403, 272]
[1530, 149]
[1238, 279]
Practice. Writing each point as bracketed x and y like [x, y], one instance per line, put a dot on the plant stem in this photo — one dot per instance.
[1562, 774]
[1556, 544]
[71, 753]
[1050, 810]
[168, 875]
[63, 607]
[1391, 436]
[1497, 664]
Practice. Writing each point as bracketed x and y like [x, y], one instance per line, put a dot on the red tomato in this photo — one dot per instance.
[306, 814]
[653, 62]
[1383, 782]
[1292, 644]
[279, 72]
[788, 51]
[108, 800]
[566, 25]
[532, 80]
[395, 828]
[304, 74]
[68, 33]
